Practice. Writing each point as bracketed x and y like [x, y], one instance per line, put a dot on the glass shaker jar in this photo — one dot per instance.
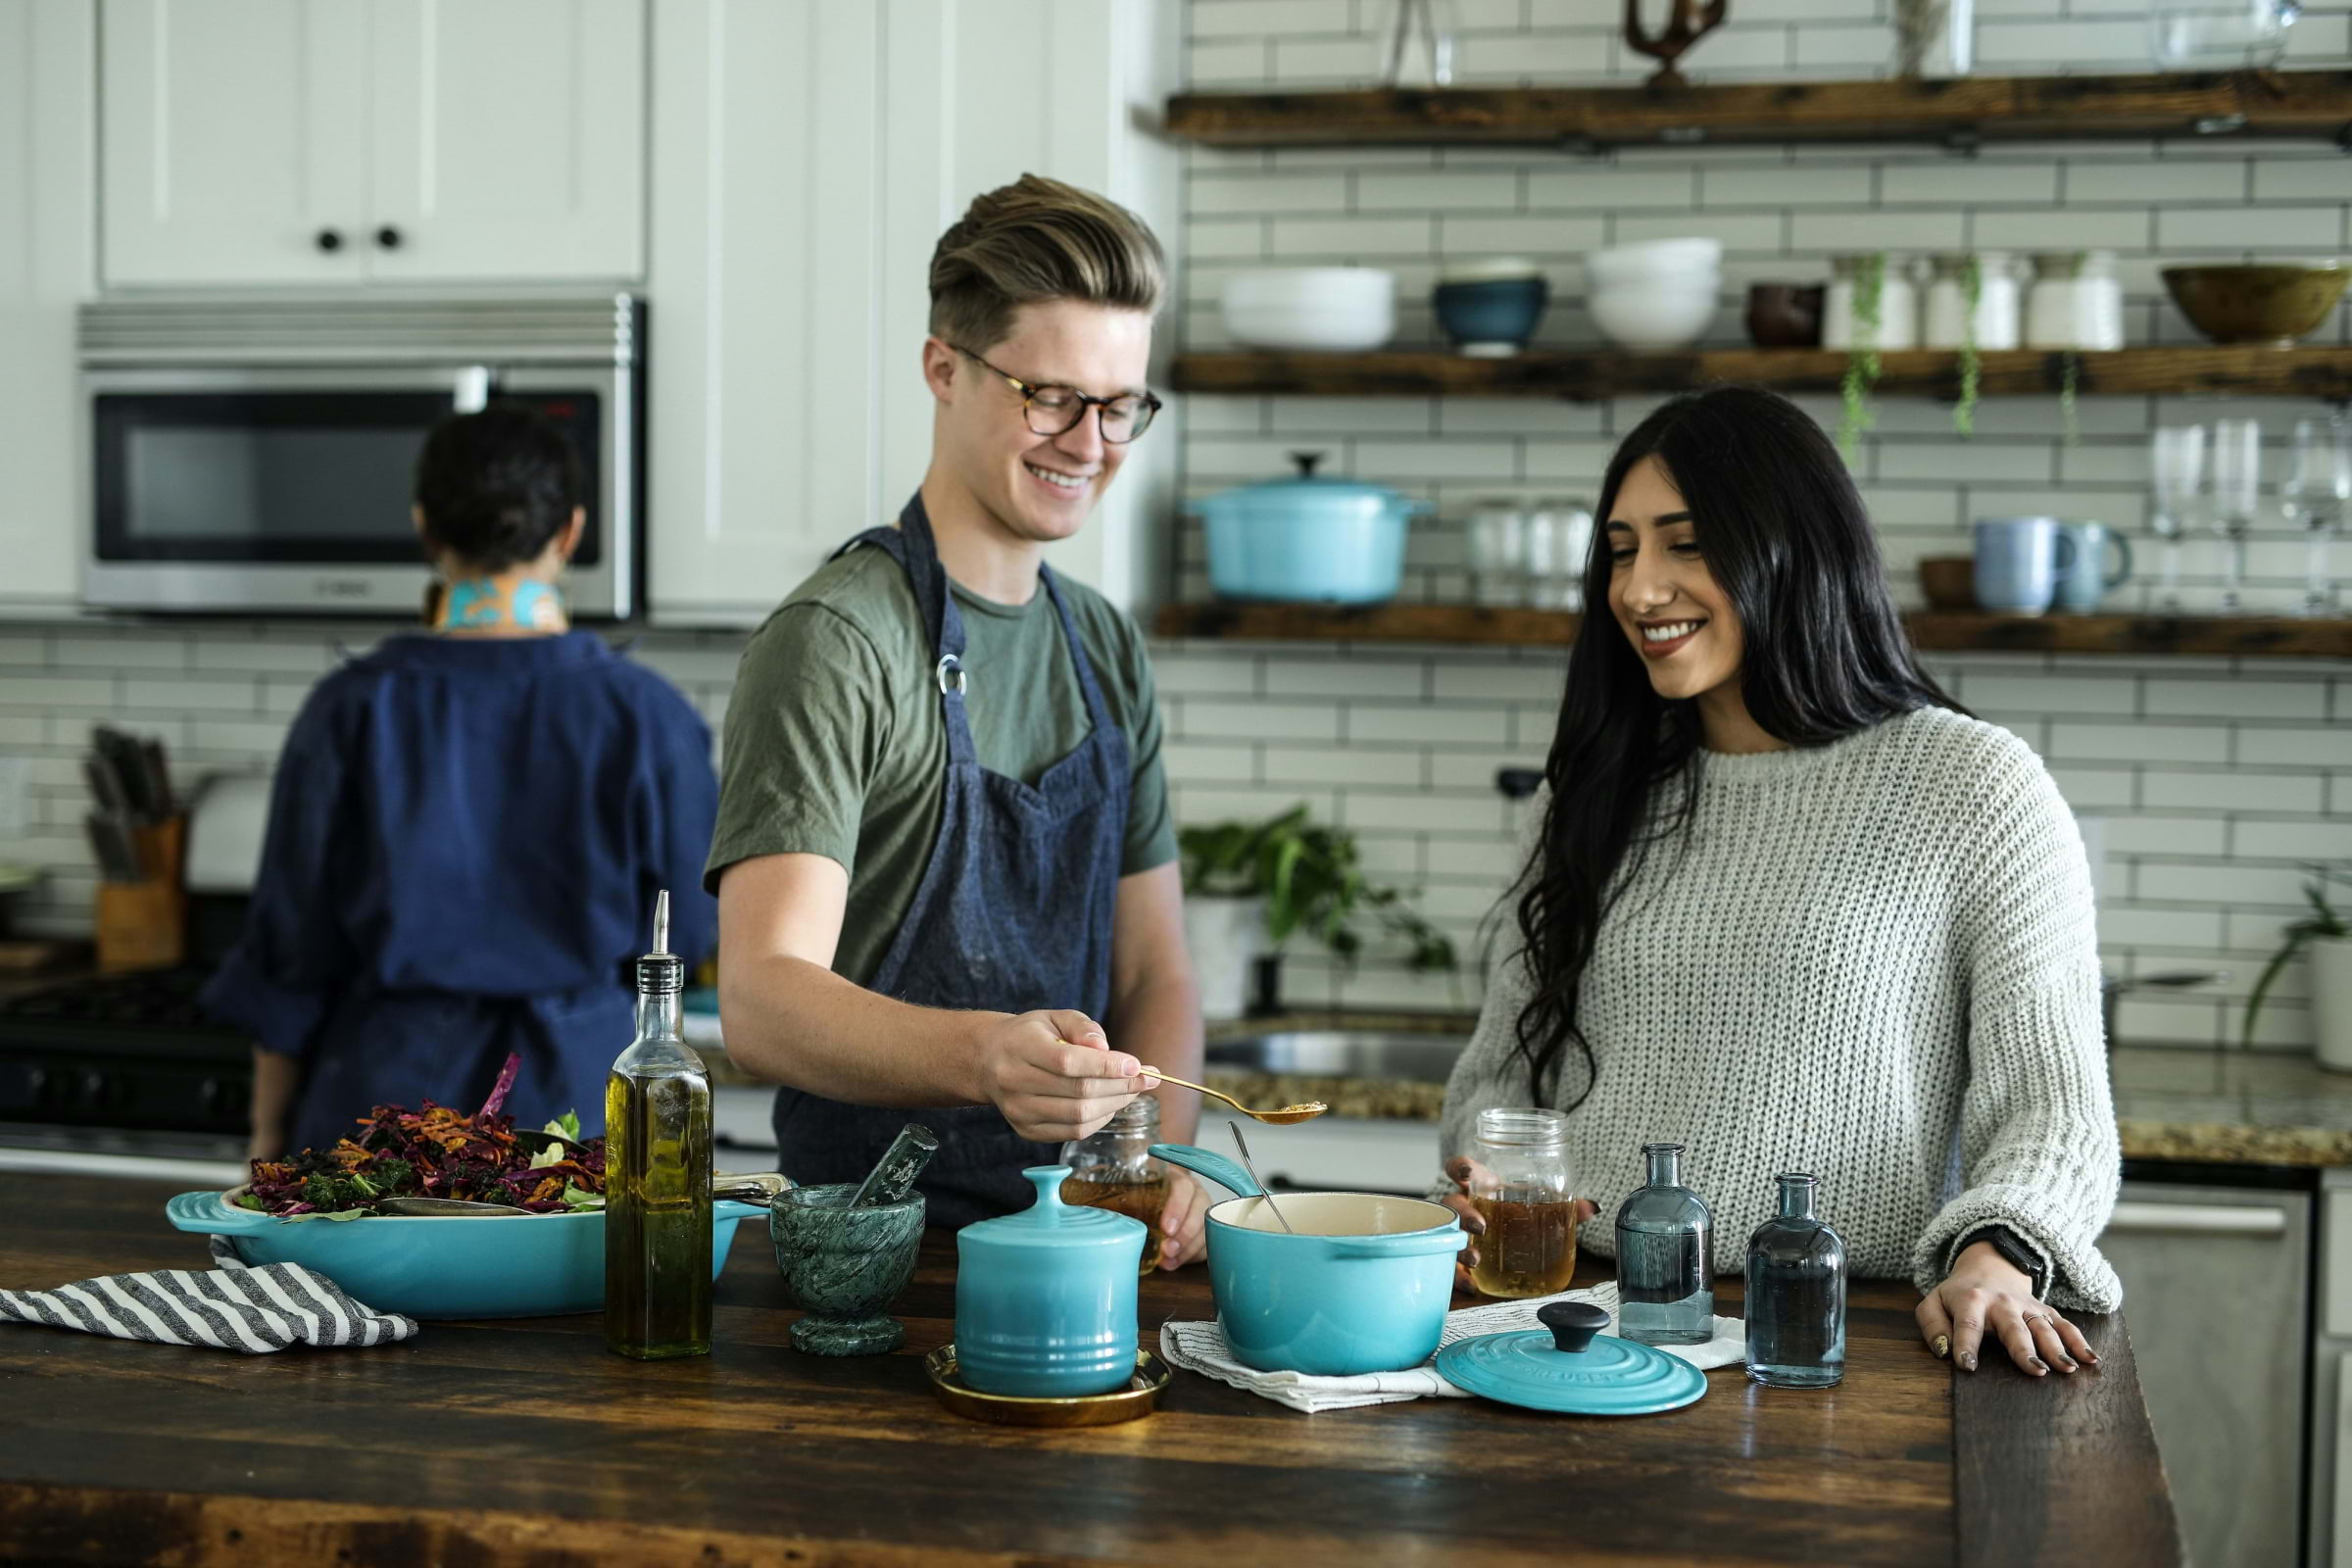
[1495, 551]
[1522, 1191]
[1559, 540]
[1853, 319]
[1114, 1170]
[2076, 302]
[1665, 1257]
[1945, 318]
[1795, 1295]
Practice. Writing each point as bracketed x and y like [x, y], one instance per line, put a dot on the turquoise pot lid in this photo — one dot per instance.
[1303, 494]
[1051, 1222]
[1564, 1366]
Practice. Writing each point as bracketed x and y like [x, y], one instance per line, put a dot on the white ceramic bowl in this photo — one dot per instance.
[1311, 307]
[1657, 258]
[1654, 319]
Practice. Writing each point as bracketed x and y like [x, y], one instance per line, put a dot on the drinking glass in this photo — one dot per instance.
[2237, 489]
[1495, 551]
[2317, 496]
[2176, 465]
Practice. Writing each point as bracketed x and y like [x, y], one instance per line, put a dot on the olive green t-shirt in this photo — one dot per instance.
[835, 744]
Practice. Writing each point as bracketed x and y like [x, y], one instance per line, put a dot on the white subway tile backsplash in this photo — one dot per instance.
[2165, 789]
[2295, 748]
[1207, 719]
[2101, 181]
[2244, 228]
[2082, 741]
[2297, 841]
[2171, 836]
[1618, 189]
[1429, 724]
[2276, 698]
[1394, 767]
[1454, 191]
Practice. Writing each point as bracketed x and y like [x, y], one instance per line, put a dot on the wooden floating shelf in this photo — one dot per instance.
[2262, 370]
[2257, 637]
[2308, 104]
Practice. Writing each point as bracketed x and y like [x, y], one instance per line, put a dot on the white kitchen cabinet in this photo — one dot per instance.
[48, 183]
[358, 142]
[806, 160]
[507, 140]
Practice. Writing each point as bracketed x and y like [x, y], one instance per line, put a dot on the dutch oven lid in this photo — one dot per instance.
[1564, 1366]
[1306, 486]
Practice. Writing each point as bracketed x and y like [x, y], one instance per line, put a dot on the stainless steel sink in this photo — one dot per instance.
[1343, 1054]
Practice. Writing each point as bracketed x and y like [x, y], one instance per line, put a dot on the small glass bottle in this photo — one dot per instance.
[658, 1175]
[1934, 39]
[1114, 1170]
[1665, 1268]
[1522, 1191]
[1795, 1295]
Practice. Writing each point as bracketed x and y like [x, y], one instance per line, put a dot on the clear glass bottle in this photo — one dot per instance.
[1665, 1268]
[1934, 39]
[1795, 1295]
[1494, 548]
[1114, 1170]
[2317, 496]
[1523, 1192]
[658, 1175]
[1559, 545]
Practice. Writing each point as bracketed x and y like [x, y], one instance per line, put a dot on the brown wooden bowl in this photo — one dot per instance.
[1949, 581]
[2256, 304]
[1785, 316]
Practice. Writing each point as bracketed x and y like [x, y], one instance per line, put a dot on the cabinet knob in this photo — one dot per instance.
[389, 237]
[330, 239]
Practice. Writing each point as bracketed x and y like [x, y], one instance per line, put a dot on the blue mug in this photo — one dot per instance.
[2018, 562]
[2083, 579]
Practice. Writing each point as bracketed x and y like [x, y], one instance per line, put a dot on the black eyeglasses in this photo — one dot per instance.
[1057, 410]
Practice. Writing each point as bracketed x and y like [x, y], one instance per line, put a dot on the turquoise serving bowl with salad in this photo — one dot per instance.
[518, 1265]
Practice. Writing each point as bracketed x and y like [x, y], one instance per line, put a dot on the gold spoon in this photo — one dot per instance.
[1273, 1118]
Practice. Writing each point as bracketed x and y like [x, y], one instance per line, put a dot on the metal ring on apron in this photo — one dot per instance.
[950, 668]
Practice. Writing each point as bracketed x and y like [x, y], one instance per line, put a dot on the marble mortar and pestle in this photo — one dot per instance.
[846, 1251]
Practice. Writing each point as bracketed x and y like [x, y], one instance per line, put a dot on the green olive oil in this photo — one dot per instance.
[658, 1175]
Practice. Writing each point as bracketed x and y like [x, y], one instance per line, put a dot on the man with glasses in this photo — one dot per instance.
[947, 875]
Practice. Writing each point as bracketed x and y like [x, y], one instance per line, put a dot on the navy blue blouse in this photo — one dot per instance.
[466, 837]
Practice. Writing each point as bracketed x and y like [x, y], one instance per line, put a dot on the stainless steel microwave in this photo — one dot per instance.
[253, 455]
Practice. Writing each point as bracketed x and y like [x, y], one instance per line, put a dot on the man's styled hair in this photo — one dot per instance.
[1034, 241]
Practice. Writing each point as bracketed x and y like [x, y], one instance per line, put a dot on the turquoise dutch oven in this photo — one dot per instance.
[1308, 540]
[1362, 1286]
[522, 1265]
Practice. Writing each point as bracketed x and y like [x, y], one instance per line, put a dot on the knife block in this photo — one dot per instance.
[144, 924]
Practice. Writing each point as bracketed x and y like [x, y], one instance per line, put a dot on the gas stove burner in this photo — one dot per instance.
[162, 999]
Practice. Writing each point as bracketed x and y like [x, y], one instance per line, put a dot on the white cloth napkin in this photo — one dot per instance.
[1201, 1347]
[232, 1308]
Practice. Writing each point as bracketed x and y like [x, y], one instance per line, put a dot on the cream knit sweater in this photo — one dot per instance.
[1875, 962]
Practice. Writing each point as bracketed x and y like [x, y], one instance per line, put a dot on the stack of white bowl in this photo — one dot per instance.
[1327, 308]
[1657, 296]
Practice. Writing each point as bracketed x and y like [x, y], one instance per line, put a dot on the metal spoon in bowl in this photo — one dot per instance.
[1264, 1194]
[1273, 1118]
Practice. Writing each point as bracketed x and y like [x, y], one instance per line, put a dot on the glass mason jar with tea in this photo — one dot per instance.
[1521, 1187]
[1114, 1169]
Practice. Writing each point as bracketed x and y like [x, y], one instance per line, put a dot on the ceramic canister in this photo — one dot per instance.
[1045, 1299]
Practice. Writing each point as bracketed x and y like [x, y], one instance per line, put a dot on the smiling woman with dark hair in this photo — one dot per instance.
[1786, 902]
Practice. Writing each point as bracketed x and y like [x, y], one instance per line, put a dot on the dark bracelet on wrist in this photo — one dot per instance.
[2013, 1250]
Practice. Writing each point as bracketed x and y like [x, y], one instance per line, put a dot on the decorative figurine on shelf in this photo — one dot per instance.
[1689, 21]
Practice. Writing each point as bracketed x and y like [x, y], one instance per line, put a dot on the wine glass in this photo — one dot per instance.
[2318, 496]
[2236, 488]
[2176, 465]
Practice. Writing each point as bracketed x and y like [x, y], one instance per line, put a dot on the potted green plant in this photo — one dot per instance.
[1251, 886]
[2328, 933]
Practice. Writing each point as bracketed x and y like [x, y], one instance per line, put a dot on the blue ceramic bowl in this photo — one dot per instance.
[535, 1265]
[1362, 1286]
[1491, 317]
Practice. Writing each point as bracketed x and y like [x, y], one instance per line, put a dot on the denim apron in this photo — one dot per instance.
[1013, 914]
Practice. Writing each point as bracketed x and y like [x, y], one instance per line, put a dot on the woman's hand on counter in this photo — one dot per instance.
[1053, 1074]
[1984, 1292]
[1465, 1172]
[1182, 1222]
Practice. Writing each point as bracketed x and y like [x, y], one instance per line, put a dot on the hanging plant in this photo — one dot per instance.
[1862, 360]
[1972, 364]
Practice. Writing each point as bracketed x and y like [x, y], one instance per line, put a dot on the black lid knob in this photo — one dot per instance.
[1572, 1323]
[389, 237]
[329, 240]
[1306, 461]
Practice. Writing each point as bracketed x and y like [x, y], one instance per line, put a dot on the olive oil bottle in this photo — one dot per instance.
[658, 1175]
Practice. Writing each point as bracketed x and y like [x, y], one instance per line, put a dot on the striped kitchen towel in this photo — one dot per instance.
[234, 1307]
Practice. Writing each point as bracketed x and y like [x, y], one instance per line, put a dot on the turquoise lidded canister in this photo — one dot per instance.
[1045, 1299]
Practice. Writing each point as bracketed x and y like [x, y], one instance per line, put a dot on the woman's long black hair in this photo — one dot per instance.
[1783, 532]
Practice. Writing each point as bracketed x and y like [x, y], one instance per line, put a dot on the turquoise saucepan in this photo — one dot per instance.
[533, 1265]
[1362, 1287]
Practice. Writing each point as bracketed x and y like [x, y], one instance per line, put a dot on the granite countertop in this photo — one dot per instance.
[2229, 1108]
